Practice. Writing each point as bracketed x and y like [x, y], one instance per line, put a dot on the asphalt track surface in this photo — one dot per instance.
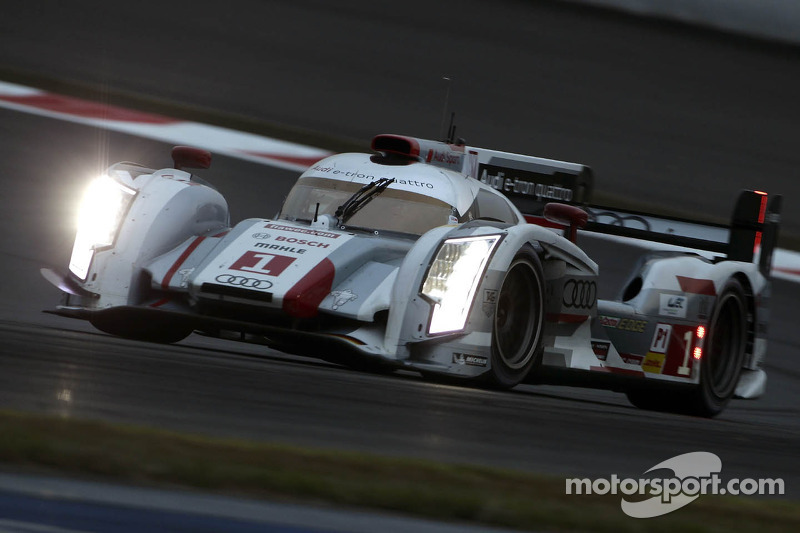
[660, 112]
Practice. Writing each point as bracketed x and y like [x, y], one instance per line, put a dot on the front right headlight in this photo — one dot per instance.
[104, 205]
[453, 278]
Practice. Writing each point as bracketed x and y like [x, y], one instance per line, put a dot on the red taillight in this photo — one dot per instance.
[698, 352]
[761, 215]
[701, 332]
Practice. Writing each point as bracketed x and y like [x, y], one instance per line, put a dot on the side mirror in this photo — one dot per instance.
[566, 215]
[188, 157]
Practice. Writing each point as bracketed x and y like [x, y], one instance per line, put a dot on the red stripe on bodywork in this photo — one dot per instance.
[697, 286]
[174, 268]
[86, 109]
[302, 300]
[161, 302]
[614, 370]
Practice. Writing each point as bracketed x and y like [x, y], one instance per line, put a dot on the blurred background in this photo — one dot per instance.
[670, 113]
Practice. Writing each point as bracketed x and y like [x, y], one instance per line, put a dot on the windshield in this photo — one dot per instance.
[392, 210]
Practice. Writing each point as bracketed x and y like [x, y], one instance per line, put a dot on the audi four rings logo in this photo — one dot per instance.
[248, 283]
[579, 294]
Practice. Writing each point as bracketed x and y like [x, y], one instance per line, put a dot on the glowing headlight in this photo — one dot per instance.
[102, 209]
[453, 278]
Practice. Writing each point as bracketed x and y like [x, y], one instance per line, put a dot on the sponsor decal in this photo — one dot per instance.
[262, 263]
[247, 283]
[600, 349]
[261, 236]
[302, 242]
[609, 321]
[342, 297]
[469, 360]
[280, 248]
[624, 324]
[579, 294]
[522, 183]
[185, 273]
[445, 158]
[673, 305]
[369, 177]
[631, 359]
[661, 338]
[305, 231]
[653, 362]
[489, 301]
[627, 324]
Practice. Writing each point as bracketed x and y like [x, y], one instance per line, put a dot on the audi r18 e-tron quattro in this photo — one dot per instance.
[419, 256]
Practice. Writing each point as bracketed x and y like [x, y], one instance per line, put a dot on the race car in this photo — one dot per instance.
[418, 256]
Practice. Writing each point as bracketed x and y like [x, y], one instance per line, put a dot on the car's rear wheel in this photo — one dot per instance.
[724, 353]
[518, 321]
[720, 366]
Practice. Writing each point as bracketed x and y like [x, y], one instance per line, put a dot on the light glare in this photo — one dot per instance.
[103, 205]
[453, 278]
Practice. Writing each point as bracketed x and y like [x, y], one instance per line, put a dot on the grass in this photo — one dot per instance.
[422, 488]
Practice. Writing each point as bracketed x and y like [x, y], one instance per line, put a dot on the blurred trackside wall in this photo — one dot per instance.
[776, 20]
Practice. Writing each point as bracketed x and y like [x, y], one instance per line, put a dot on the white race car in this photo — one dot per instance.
[417, 256]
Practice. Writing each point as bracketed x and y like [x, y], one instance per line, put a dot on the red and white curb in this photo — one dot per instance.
[225, 141]
[786, 265]
[248, 146]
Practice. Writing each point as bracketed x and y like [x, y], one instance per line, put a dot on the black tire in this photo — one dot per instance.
[723, 354]
[518, 322]
[720, 367]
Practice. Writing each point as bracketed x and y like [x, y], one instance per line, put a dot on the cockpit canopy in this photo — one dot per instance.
[394, 210]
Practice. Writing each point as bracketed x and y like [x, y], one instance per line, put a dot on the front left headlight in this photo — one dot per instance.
[453, 278]
[100, 216]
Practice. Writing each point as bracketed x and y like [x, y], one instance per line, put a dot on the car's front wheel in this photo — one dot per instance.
[518, 321]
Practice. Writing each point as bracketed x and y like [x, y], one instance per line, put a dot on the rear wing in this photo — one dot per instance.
[529, 182]
[754, 226]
